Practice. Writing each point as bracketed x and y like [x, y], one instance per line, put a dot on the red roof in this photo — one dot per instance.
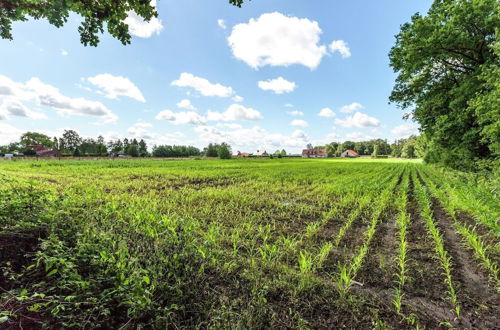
[352, 152]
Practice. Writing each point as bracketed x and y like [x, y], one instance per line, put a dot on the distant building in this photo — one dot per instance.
[261, 153]
[314, 153]
[8, 155]
[42, 151]
[349, 154]
[242, 154]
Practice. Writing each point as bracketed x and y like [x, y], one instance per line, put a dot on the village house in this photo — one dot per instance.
[314, 153]
[261, 153]
[42, 151]
[349, 154]
[242, 154]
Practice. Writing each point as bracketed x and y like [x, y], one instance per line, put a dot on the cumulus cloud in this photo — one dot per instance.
[405, 130]
[64, 52]
[300, 134]
[221, 23]
[295, 113]
[288, 105]
[341, 47]
[357, 137]
[47, 95]
[140, 130]
[9, 133]
[234, 112]
[277, 40]
[299, 123]
[238, 98]
[181, 118]
[355, 106]
[359, 120]
[326, 112]
[12, 107]
[251, 139]
[278, 85]
[202, 85]
[185, 104]
[229, 125]
[114, 86]
[140, 28]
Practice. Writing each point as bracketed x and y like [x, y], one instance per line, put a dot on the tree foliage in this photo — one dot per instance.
[447, 67]
[34, 138]
[175, 151]
[96, 15]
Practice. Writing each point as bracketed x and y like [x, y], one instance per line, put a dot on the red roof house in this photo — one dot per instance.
[349, 154]
[314, 153]
[42, 151]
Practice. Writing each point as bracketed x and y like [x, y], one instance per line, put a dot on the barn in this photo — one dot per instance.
[349, 154]
[42, 151]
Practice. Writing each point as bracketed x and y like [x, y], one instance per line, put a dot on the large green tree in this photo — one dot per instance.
[34, 138]
[446, 63]
[96, 15]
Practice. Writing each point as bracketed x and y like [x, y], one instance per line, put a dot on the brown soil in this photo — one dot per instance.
[16, 252]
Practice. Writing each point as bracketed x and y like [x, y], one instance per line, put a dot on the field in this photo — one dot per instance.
[247, 244]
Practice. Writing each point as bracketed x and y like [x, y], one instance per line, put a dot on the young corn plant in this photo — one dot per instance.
[470, 237]
[402, 221]
[424, 203]
[347, 272]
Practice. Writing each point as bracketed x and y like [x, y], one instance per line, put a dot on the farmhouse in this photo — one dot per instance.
[42, 151]
[261, 153]
[242, 154]
[349, 154]
[314, 153]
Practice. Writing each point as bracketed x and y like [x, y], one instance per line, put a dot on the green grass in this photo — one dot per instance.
[246, 243]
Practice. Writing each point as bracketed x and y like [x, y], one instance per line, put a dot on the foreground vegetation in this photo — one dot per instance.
[246, 243]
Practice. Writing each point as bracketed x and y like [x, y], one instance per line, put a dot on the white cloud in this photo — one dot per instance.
[9, 133]
[289, 105]
[299, 123]
[47, 95]
[326, 112]
[12, 107]
[357, 137]
[234, 112]
[332, 137]
[341, 47]
[185, 104]
[300, 134]
[355, 106]
[64, 52]
[140, 131]
[221, 23]
[140, 28]
[359, 120]
[202, 85]
[295, 113]
[181, 118]
[277, 40]
[278, 85]
[229, 125]
[238, 98]
[251, 139]
[405, 130]
[114, 86]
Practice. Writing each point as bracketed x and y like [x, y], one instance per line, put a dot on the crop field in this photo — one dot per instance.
[257, 243]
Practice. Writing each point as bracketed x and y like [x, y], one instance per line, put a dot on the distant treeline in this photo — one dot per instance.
[71, 144]
[412, 147]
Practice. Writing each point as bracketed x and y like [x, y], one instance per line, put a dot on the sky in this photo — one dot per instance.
[274, 74]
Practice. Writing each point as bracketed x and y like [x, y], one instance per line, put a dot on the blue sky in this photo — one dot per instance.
[270, 75]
